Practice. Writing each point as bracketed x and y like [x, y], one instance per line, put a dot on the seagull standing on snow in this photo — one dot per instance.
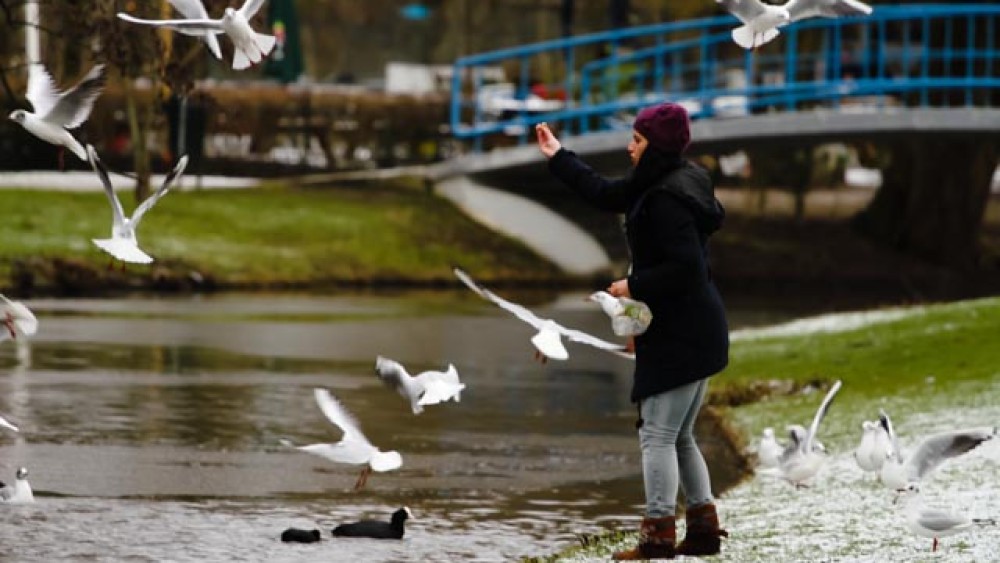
[123, 244]
[17, 319]
[871, 451]
[802, 459]
[761, 21]
[195, 10]
[56, 111]
[427, 388]
[20, 493]
[353, 448]
[628, 316]
[898, 473]
[769, 450]
[931, 522]
[548, 340]
[250, 47]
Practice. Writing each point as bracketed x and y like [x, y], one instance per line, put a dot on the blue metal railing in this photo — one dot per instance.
[933, 55]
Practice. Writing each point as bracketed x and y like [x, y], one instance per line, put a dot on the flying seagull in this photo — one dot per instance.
[17, 319]
[548, 339]
[123, 244]
[195, 10]
[802, 458]
[761, 21]
[353, 448]
[898, 472]
[427, 388]
[250, 47]
[55, 111]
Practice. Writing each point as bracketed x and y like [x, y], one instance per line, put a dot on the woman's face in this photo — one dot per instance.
[637, 146]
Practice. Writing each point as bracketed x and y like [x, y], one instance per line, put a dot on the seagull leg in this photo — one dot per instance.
[9, 323]
[363, 478]
[934, 547]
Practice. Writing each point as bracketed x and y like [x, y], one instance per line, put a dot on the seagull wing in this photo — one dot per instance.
[195, 9]
[6, 424]
[151, 200]
[802, 9]
[797, 438]
[196, 27]
[584, 338]
[937, 520]
[934, 450]
[745, 10]
[820, 413]
[517, 310]
[73, 106]
[340, 417]
[352, 453]
[41, 91]
[886, 423]
[251, 7]
[117, 213]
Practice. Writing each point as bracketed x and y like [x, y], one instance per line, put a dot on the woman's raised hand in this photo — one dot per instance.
[547, 142]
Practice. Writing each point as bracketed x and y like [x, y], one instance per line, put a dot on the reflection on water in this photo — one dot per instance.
[151, 427]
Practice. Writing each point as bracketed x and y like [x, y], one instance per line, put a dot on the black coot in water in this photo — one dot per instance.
[392, 530]
[300, 536]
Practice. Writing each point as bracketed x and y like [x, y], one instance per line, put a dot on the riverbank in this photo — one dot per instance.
[398, 235]
[932, 368]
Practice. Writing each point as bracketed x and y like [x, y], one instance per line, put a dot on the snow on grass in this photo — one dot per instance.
[833, 322]
[849, 516]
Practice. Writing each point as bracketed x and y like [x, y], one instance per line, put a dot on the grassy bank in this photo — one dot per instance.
[255, 238]
[933, 368]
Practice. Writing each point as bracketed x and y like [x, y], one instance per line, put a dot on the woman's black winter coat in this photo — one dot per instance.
[670, 210]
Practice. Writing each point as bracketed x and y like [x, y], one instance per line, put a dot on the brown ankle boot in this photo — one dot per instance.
[703, 532]
[656, 541]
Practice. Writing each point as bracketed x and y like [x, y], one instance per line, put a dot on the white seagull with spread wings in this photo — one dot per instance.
[427, 388]
[56, 111]
[548, 340]
[761, 21]
[195, 10]
[353, 448]
[250, 47]
[899, 472]
[123, 244]
[802, 458]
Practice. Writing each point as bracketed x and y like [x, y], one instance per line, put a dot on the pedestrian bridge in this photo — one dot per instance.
[913, 72]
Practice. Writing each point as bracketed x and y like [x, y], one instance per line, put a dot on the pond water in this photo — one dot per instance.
[150, 427]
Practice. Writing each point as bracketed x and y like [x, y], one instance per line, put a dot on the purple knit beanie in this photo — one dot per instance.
[666, 126]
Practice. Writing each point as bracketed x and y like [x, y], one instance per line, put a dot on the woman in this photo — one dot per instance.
[670, 211]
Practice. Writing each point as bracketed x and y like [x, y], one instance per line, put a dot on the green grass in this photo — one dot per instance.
[273, 235]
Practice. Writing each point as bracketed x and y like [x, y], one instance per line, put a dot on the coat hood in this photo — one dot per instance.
[688, 182]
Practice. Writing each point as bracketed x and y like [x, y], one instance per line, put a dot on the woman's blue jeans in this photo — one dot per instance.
[670, 456]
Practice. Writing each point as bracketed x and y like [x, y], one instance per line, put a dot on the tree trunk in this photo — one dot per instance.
[140, 153]
[932, 199]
